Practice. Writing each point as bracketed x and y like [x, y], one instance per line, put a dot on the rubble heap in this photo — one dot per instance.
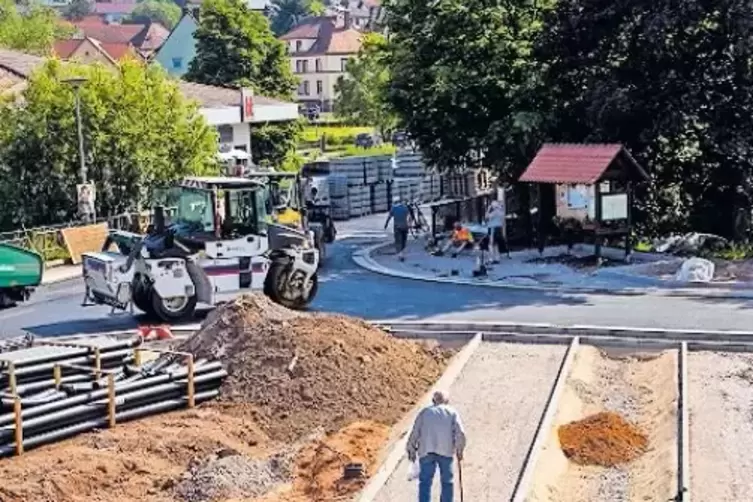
[298, 371]
[604, 439]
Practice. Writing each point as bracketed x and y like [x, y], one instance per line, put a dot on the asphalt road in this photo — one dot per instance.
[56, 310]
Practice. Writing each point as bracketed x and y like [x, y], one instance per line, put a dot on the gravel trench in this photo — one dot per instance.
[642, 387]
[500, 395]
[721, 426]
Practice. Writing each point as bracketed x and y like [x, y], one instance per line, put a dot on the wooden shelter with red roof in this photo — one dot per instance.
[591, 183]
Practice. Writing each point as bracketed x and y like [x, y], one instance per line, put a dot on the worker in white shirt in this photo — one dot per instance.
[495, 221]
[436, 438]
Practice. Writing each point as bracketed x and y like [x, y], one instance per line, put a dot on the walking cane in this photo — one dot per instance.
[460, 478]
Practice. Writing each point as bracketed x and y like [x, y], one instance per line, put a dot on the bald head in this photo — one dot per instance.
[440, 397]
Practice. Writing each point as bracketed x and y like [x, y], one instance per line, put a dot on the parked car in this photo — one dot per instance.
[368, 140]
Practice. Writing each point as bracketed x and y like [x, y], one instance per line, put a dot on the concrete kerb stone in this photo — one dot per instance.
[524, 481]
[363, 258]
[396, 452]
[683, 453]
[574, 330]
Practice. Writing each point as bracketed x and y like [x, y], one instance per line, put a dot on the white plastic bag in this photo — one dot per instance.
[696, 270]
[413, 470]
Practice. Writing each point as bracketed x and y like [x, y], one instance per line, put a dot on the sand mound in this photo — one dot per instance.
[604, 439]
[301, 371]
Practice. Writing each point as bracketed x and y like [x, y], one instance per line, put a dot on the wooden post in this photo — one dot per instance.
[137, 357]
[111, 400]
[12, 378]
[97, 363]
[597, 218]
[19, 427]
[57, 373]
[629, 237]
[191, 387]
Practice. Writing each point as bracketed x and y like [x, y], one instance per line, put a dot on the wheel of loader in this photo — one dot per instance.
[276, 287]
[173, 309]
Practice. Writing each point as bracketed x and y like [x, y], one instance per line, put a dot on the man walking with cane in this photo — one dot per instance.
[436, 438]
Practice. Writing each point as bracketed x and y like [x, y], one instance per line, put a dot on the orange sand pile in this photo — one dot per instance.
[604, 439]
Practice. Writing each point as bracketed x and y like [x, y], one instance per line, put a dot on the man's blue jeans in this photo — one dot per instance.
[428, 466]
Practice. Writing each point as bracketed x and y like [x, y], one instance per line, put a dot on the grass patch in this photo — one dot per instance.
[354, 151]
[335, 135]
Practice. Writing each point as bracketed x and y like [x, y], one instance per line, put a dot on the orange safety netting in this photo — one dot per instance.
[604, 439]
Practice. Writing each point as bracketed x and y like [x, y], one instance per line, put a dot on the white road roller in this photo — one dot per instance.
[219, 244]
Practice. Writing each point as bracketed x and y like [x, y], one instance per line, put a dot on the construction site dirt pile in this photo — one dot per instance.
[604, 439]
[293, 372]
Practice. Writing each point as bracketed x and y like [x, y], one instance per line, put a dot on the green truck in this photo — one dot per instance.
[20, 272]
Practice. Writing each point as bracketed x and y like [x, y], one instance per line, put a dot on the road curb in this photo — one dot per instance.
[524, 481]
[397, 451]
[363, 258]
[684, 428]
[695, 338]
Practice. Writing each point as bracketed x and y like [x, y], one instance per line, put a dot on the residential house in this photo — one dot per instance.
[256, 5]
[363, 14]
[146, 38]
[319, 50]
[89, 50]
[222, 108]
[179, 49]
[114, 12]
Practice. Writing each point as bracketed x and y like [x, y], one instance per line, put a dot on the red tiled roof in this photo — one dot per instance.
[111, 33]
[118, 51]
[309, 28]
[152, 38]
[574, 164]
[64, 48]
[330, 39]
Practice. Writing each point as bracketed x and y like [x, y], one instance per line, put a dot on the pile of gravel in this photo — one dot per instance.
[230, 476]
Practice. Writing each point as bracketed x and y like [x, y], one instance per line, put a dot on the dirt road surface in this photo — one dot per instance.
[500, 395]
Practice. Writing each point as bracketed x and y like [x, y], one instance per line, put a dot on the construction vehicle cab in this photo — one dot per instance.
[218, 244]
[293, 203]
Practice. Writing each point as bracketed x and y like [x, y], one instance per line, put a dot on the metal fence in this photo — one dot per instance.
[48, 240]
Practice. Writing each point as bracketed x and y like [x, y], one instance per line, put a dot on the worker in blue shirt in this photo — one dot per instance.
[400, 214]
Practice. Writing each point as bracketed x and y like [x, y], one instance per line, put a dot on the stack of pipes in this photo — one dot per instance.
[49, 392]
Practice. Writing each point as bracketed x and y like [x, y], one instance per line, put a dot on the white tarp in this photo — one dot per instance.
[695, 270]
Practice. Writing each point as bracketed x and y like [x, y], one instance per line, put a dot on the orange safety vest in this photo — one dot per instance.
[462, 234]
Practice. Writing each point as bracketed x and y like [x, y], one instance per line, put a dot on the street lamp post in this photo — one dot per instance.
[86, 209]
[76, 83]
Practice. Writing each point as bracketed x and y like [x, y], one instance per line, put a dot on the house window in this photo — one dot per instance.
[305, 66]
[226, 133]
[304, 88]
[177, 63]
[318, 65]
[298, 66]
[298, 45]
[343, 64]
[319, 87]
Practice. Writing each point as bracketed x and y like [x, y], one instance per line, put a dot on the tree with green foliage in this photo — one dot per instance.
[672, 82]
[34, 31]
[158, 11]
[462, 79]
[287, 14]
[362, 94]
[78, 9]
[140, 133]
[235, 47]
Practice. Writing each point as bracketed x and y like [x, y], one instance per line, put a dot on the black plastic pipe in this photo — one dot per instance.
[85, 426]
[120, 388]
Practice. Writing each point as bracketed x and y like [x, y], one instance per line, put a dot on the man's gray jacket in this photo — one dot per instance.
[438, 429]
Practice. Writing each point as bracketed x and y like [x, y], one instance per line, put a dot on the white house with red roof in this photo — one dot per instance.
[319, 50]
